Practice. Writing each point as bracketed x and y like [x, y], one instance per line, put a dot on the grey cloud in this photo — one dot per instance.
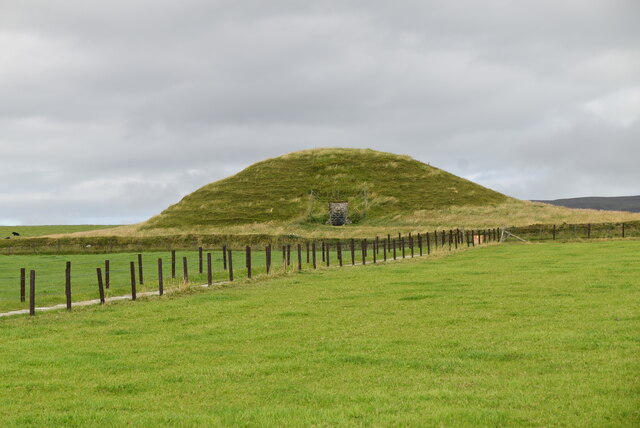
[114, 110]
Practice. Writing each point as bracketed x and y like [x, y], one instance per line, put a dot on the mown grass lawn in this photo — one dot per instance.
[511, 335]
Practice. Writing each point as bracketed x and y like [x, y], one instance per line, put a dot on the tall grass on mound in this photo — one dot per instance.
[511, 335]
[297, 188]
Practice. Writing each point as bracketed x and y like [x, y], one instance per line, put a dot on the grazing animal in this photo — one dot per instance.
[15, 233]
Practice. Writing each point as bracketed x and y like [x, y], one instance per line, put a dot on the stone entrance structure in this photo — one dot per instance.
[338, 213]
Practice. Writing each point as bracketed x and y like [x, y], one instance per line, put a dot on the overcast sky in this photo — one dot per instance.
[112, 110]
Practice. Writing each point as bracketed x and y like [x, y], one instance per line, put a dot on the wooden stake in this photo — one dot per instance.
[132, 269]
[363, 249]
[100, 286]
[173, 264]
[23, 283]
[160, 277]
[224, 257]
[353, 252]
[107, 274]
[313, 253]
[248, 260]
[185, 270]
[32, 292]
[140, 277]
[67, 285]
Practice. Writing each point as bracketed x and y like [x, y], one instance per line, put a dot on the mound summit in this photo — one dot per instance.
[297, 187]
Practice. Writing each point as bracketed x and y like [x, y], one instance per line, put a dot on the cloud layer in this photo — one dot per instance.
[111, 111]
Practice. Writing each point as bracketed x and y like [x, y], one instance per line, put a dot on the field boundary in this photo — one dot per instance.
[395, 255]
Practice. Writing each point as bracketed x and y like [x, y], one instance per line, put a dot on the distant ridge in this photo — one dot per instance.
[615, 203]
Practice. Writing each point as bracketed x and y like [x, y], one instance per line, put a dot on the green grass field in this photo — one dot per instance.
[31, 231]
[510, 335]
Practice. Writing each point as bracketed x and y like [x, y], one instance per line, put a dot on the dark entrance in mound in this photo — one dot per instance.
[338, 213]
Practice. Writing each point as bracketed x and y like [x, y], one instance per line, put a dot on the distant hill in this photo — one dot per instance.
[617, 203]
[298, 186]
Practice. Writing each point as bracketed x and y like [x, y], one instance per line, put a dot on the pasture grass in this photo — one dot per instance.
[44, 230]
[509, 335]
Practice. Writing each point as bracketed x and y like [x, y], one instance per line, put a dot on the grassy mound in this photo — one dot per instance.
[297, 188]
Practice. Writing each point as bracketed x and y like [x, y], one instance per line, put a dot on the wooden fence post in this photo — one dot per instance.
[435, 239]
[267, 255]
[402, 245]
[384, 250]
[428, 244]
[322, 248]
[160, 277]
[230, 264]
[32, 292]
[23, 283]
[200, 264]
[173, 264]
[411, 244]
[377, 244]
[185, 270]
[450, 238]
[363, 249]
[67, 285]
[307, 248]
[299, 257]
[209, 270]
[132, 269]
[420, 244]
[353, 252]
[375, 250]
[107, 274]
[589, 231]
[394, 248]
[623, 230]
[248, 260]
[224, 257]
[339, 249]
[140, 277]
[313, 253]
[554, 232]
[100, 285]
[327, 249]
[388, 240]
[288, 254]
[284, 256]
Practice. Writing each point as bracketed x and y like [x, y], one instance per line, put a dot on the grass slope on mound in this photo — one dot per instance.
[511, 335]
[299, 185]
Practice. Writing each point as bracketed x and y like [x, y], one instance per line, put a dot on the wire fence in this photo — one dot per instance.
[28, 282]
[566, 232]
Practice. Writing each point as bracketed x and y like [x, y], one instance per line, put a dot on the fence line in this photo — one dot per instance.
[112, 278]
[109, 276]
